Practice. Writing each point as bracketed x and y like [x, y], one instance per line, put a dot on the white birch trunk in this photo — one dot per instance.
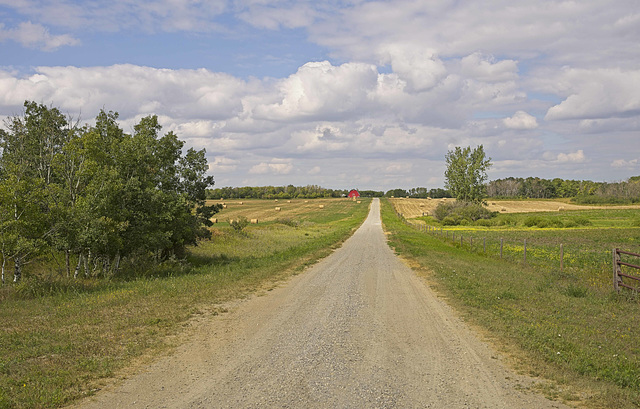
[17, 272]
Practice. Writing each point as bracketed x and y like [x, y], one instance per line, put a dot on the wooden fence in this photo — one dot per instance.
[618, 274]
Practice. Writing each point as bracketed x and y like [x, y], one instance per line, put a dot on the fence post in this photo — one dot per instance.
[616, 270]
[501, 242]
[525, 251]
[461, 240]
[484, 244]
[561, 257]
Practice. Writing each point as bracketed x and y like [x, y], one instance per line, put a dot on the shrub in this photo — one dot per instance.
[557, 223]
[240, 224]
[581, 221]
[288, 222]
[506, 221]
[451, 214]
[533, 221]
[450, 221]
[484, 222]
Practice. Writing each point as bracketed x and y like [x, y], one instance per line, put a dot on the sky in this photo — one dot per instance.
[345, 93]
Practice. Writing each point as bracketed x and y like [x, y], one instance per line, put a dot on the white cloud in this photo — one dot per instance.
[406, 80]
[115, 15]
[572, 157]
[222, 164]
[420, 69]
[130, 90]
[275, 167]
[521, 120]
[275, 14]
[487, 69]
[316, 170]
[36, 36]
[626, 164]
[321, 90]
[593, 94]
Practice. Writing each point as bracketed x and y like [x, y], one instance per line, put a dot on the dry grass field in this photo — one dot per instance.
[411, 208]
[264, 210]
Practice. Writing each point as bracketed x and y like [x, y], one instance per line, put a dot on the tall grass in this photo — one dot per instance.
[582, 337]
[63, 341]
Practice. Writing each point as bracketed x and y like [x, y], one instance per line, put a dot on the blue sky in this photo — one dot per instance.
[366, 94]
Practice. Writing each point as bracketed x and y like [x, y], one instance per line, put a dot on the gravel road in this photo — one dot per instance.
[357, 330]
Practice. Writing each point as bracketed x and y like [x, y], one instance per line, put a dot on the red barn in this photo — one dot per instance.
[353, 193]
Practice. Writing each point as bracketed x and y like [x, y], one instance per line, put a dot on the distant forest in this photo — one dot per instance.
[580, 191]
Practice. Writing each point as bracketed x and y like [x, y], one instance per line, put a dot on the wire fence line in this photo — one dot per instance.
[583, 261]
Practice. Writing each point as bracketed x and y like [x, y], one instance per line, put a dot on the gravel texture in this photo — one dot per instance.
[357, 330]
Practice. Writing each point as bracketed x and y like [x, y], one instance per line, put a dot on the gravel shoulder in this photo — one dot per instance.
[358, 329]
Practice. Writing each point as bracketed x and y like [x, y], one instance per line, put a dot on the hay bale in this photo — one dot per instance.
[277, 209]
[421, 204]
[321, 206]
[224, 206]
[504, 209]
[288, 201]
[306, 201]
[493, 203]
[359, 202]
[254, 221]
[214, 220]
[240, 203]
[561, 209]
[276, 200]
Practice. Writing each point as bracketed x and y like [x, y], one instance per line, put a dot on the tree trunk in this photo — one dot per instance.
[86, 264]
[116, 264]
[67, 261]
[80, 258]
[106, 266]
[17, 272]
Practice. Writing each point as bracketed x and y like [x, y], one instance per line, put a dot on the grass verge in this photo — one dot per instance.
[58, 347]
[584, 343]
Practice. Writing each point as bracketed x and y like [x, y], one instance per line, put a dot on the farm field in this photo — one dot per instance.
[412, 208]
[264, 210]
[579, 242]
[566, 325]
[62, 340]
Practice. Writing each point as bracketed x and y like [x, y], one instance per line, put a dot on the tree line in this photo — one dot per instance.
[274, 192]
[96, 193]
[314, 192]
[582, 191]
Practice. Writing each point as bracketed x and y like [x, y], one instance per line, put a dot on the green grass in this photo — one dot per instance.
[586, 247]
[562, 326]
[62, 340]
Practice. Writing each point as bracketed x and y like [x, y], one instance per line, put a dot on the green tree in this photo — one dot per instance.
[466, 173]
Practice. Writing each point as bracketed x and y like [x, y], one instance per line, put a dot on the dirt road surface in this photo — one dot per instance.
[357, 330]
